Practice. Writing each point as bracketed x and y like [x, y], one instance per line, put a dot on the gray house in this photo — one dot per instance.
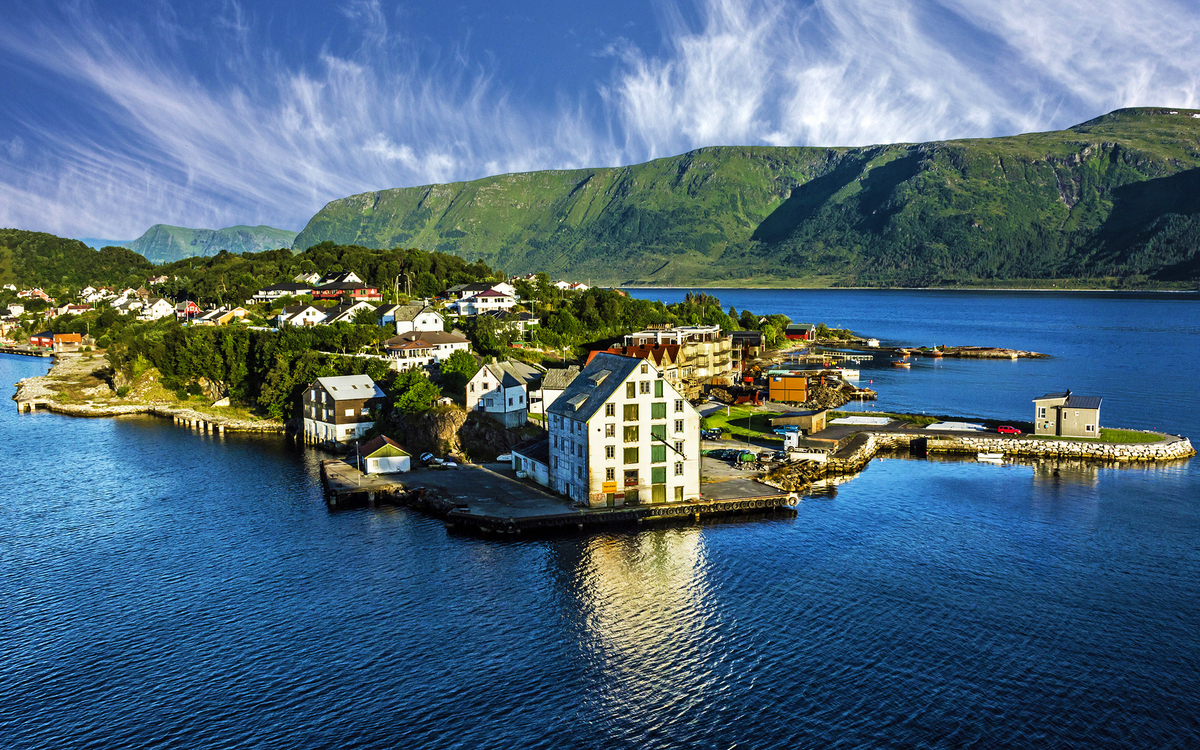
[1067, 415]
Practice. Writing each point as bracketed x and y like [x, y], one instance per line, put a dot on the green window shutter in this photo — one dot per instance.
[658, 493]
[658, 475]
[679, 493]
[631, 412]
[631, 434]
[658, 431]
[658, 388]
[658, 410]
[631, 457]
[631, 390]
[658, 455]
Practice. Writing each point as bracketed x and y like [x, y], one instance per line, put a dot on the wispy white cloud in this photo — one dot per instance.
[265, 141]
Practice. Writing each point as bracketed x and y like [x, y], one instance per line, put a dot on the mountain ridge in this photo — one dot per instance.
[163, 243]
[1117, 197]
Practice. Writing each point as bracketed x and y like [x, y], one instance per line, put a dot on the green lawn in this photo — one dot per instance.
[1108, 435]
[744, 423]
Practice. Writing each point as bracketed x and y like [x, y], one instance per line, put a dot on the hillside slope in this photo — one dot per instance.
[1116, 197]
[44, 260]
[163, 243]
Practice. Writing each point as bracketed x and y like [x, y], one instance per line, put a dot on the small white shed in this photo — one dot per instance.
[382, 455]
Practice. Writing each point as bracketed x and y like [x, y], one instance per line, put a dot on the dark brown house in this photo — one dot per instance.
[338, 409]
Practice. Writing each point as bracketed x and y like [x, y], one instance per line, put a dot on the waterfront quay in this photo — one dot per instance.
[490, 499]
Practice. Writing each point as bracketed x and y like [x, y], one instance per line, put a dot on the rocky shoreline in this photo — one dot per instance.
[40, 392]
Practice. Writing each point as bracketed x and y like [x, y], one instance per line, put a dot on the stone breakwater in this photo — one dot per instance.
[852, 457]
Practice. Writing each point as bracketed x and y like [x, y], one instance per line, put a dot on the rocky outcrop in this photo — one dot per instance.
[1169, 448]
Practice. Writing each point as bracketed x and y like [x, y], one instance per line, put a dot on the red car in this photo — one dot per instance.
[1007, 430]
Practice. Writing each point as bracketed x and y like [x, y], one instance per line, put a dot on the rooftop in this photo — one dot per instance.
[344, 387]
[585, 395]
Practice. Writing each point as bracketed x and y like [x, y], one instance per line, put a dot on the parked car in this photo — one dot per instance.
[431, 460]
[1005, 429]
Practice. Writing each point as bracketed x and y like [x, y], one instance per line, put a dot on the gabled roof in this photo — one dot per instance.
[490, 293]
[410, 312]
[559, 379]
[512, 373]
[381, 445]
[346, 387]
[1064, 394]
[584, 396]
[429, 337]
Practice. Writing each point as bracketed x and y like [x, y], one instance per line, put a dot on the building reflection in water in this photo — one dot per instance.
[642, 603]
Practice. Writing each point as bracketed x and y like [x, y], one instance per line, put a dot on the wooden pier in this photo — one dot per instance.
[26, 351]
[345, 485]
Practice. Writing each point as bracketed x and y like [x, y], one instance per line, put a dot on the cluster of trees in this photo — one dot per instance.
[57, 264]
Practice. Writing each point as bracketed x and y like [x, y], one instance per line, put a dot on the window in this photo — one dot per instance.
[658, 454]
[679, 425]
[520, 399]
[679, 447]
[679, 468]
[631, 477]
[644, 386]
[610, 430]
[472, 387]
[510, 401]
[678, 405]
[554, 461]
[1041, 412]
[658, 475]
[610, 410]
[631, 434]
[610, 451]
[1089, 428]
[658, 390]
[658, 432]
[349, 412]
[631, 455]
[631, 390]
[679, 493]
[631, 412]
[658, 410]
[610, 474]
[645, 368]
[579, 472]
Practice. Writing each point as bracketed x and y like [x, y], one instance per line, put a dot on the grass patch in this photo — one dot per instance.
[744, 423]
[1108, 435]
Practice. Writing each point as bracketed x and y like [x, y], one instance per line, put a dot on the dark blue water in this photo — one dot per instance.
[159, 588]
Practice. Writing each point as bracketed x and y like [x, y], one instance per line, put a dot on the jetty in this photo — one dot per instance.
[491, 500]
[26, 351]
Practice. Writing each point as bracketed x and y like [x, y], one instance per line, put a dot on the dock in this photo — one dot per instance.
[25, 351]
[345, 485]
[492, 500]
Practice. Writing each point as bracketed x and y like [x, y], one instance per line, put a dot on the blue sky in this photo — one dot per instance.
[118, 115]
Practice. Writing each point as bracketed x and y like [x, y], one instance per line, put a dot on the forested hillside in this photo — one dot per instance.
[44, 260]
[1115, 199]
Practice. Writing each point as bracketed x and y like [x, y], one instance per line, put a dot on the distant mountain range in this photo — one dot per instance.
[1115, 198]
[163, 243]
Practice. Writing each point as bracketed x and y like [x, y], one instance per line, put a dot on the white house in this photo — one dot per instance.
[338, 409]
[300, 315]
[423, 348]
[345, 312]
[461, 291]
[382, 455]
[157, 308]
[621, 434]
[483, 302]
[501, 390]
[531, 460]
[552, 385]
[272, 293]
[417, 318]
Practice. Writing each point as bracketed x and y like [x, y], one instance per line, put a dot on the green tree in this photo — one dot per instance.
[458, 368]
[414, 392]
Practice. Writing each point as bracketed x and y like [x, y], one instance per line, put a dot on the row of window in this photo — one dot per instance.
[658, 475]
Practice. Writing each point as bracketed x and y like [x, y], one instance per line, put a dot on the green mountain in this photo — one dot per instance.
[44, 260]
[1115, 199]
[162, 243]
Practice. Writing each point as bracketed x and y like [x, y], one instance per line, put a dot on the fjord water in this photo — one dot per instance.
[160, 588]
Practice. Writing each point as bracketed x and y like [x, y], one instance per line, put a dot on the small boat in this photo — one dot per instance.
[991, 457]
[937, 352]
[898, 363]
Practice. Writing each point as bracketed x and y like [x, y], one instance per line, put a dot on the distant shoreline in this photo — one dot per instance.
[913, 289]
